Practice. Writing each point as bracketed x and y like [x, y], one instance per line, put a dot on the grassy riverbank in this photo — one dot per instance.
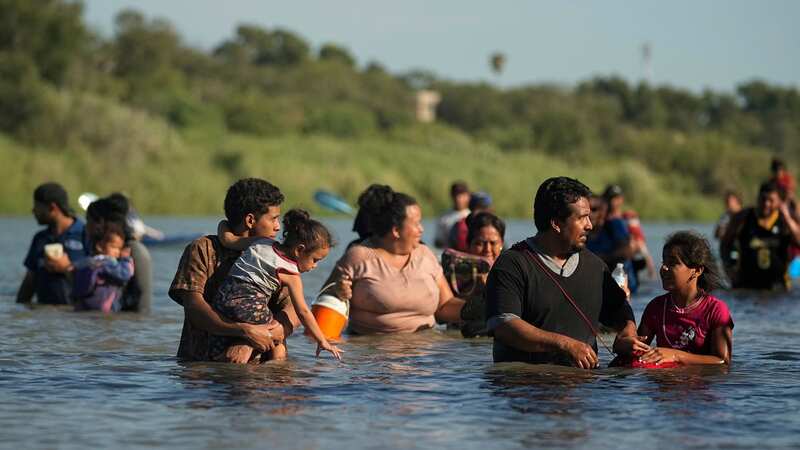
[192, 175]
[143, 112]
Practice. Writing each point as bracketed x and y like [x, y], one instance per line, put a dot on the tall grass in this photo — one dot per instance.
[191, 172]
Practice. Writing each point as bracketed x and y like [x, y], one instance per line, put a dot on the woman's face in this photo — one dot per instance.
[410, 233]
[487, 243]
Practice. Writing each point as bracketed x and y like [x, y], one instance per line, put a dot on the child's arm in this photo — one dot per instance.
[232, 241]
[120, 270]
[721, 346]
[295, 285]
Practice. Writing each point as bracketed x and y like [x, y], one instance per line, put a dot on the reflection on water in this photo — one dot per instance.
[72, 380]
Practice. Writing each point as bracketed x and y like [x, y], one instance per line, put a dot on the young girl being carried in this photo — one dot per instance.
[690, 325]
[264, 268]
[99, 279]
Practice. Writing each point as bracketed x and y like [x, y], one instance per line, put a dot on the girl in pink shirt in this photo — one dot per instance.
[690, 325]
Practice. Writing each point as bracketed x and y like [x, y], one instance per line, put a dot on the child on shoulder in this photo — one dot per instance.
[98, 280]
[690, 325]
[264, 268]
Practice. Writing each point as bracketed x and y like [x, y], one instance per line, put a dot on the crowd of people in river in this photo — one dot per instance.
[542, 300]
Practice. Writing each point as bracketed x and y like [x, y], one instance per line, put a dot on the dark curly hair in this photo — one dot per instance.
[694, 252]
[553, 199]
[111, 209]
[384, 208]
[107, 229]
[484, 219]
[250, 196]
[300, 228]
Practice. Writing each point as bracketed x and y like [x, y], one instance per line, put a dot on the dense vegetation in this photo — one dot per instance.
[142, 112]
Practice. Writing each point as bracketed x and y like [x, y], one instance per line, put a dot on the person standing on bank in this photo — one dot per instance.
[529, 315]
[47, 272]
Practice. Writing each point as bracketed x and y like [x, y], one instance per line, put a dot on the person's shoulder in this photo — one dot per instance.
[41, 234]
[514, 255]
[425, 251]
[77, 225]
[358, 252]
[588, 257]
[716, 303]
[657, 301]
[204, 244]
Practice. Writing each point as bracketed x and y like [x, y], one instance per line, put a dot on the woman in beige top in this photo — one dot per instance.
[394, 283]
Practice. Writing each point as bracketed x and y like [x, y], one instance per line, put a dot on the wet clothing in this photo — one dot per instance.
[55, 288]
[251, 282]
[386, 299]
[686, 329]
[517, 288]
[98, 282]
[137, 294]
[763, 252]
[612, 235]
[458, 236]
[202, 269]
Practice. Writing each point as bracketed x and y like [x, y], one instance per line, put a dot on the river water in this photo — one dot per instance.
[70, 380]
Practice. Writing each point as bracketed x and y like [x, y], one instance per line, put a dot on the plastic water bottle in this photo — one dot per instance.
[619, 275]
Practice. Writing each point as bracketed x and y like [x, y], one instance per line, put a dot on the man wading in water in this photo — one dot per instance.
[530, 317]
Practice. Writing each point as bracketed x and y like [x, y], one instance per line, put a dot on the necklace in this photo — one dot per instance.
[686, 308]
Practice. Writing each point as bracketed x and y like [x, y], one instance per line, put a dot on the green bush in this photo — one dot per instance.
[340, 120]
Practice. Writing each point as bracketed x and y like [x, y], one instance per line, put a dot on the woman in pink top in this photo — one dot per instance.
[690, 325]
[394, 284]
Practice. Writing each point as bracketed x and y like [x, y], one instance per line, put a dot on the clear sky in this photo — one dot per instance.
[695, 44]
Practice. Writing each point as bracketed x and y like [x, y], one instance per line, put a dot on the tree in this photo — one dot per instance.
[332, 52]
[49, 32]
[261, 47]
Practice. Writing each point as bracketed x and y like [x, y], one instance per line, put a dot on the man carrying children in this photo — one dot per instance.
[252, 207]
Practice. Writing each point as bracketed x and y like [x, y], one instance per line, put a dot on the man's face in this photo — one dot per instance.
[768, 202]
[268, 224]
[598, 213]
[41, 211]
[461, 201]
[574, 229]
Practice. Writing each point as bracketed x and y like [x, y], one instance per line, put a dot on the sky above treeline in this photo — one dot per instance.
[714, 44]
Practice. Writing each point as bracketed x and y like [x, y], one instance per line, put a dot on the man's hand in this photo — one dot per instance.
[581, 354]
[629, 345]
[261, 336]
[58, 265]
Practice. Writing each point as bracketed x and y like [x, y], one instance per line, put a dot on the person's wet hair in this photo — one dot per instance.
[250, 196]
[299, 228]
[53, 193]
[385, 208]
[476, 222]
[111, 209]
[777, 164]
[734, 194]
[553, 199]
[694, 252]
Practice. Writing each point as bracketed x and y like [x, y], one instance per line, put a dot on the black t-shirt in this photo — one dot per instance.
[764, 253]
[518, 286]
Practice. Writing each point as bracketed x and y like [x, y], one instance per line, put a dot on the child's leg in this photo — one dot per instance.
[278, 353]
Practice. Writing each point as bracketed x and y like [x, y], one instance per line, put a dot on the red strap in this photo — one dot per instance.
[524, 247]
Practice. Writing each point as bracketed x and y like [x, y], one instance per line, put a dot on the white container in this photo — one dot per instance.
[54, 250]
